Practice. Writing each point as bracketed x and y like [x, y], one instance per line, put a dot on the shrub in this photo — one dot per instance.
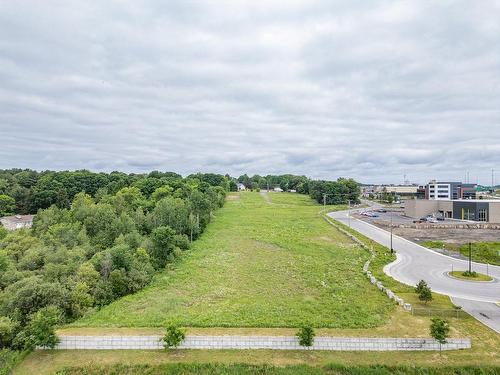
[7, 328]
[40, 330]
[306, 336]
[173, 337]
[469, 274]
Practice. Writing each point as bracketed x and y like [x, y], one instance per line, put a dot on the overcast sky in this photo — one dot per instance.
[363, 89]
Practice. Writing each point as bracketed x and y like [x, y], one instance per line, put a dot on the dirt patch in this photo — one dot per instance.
[457, 236]
[266, 196]
[267, 246]
[233, 197]
[324, 238]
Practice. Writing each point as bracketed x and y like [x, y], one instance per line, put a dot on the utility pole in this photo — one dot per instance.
[392, 249]
[492, 181]
[324, 200]
[470, 256]
[349, 211]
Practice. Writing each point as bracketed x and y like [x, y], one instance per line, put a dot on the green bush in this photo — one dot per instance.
[7, 329]
[469, 274]
[173, 337]
[40, 329]
[306, 336]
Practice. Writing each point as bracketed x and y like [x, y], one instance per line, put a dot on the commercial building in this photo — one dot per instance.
[435, 190]
[461, 209]
[402, 191]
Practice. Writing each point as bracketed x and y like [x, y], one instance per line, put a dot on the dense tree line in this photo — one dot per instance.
[24, 191]
[286, 182]
[334, 192]
[341, 191]
[95, 238]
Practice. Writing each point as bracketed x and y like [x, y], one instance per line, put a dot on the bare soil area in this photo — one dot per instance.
[452, 235]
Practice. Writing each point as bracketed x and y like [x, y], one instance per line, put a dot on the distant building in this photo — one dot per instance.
[241, 186]
[435, 190]
[403, 191]
[278, 189]
[17, 221]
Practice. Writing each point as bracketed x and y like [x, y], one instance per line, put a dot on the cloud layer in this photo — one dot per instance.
[370, 90]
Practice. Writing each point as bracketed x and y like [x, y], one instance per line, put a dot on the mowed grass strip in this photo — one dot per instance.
[261, 263]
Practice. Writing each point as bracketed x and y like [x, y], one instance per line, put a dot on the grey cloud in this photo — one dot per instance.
[327, 89]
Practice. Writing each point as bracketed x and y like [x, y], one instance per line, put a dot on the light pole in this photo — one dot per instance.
[349, 211]
[392, 249]
[470, 256]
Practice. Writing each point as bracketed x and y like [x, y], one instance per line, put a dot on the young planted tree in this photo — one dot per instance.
[440, 330]
[425, 295]
[173, 337]
[421, 284]
[424, 291]
[306, 336]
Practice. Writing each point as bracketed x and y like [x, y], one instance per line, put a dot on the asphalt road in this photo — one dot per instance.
[415, 263]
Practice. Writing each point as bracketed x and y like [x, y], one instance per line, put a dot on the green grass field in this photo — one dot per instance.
[263, 262]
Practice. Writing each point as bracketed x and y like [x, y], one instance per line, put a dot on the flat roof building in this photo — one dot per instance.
[461, 209]
[436, 190]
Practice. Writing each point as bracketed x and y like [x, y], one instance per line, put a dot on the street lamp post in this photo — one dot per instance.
[392, 249]
[470, 256]
[349, 211]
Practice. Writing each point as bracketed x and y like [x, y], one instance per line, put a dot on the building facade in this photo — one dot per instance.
[481, 210]
[435, 190]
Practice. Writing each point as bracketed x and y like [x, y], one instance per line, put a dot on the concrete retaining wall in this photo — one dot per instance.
[260, 342]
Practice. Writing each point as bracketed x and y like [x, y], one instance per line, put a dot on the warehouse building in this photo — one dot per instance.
[461, 209]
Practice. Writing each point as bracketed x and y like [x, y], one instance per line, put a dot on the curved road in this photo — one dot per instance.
[415, 263]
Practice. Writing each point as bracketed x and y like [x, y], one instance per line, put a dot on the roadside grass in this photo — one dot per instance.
[482, 252]
[479, 277]
[258, 265]
[245, 369]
